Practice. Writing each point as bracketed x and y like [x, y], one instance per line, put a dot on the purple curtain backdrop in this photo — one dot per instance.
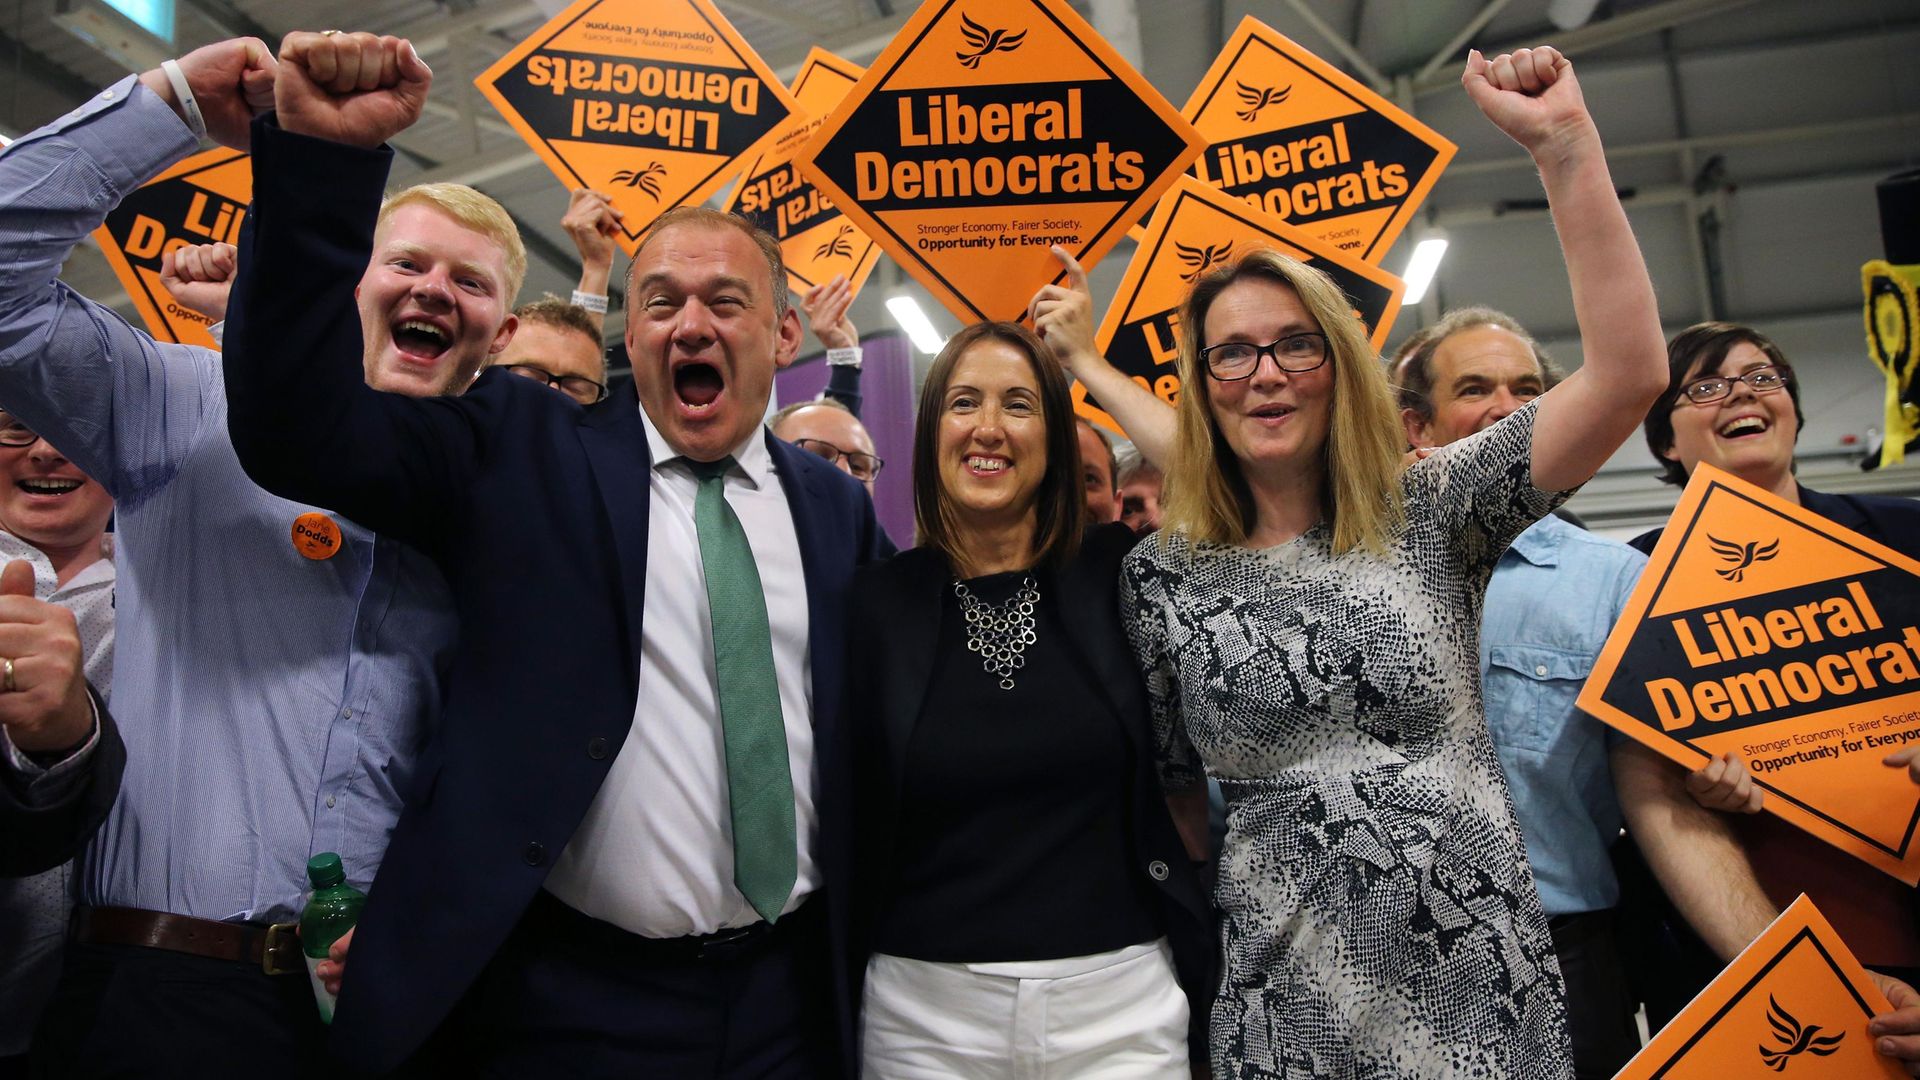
[886, 387]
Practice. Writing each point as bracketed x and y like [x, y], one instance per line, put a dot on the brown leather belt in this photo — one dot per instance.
[274, 947]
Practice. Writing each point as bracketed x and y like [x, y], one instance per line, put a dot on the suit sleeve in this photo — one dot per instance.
[303, 421]
[843, 386]
[37, 834]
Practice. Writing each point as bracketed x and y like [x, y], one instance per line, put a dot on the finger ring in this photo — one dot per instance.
[6, 677]
[328, 33]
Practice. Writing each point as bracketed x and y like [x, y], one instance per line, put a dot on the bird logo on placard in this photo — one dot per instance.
[1742, 556]
[1798, 1039]
[646, 179]
[1259, 97]
[836, 246]
[984, 41]
[1200, 259]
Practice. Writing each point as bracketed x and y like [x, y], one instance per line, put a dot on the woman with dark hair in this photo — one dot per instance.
[1308, 617]
[1028, 901]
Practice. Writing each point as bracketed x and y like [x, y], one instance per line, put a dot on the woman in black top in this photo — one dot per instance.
[1024, 895]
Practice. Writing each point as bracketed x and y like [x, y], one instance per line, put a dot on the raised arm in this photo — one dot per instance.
[1063, 317]
[1533, 96]
[592, 220]
[826, 307]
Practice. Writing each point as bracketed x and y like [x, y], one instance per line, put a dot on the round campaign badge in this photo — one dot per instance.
[316, 536]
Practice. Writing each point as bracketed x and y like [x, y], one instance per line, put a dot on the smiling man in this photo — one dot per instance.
[628, 855]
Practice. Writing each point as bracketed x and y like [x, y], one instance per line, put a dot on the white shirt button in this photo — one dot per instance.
[329, 802]
[1540, 670]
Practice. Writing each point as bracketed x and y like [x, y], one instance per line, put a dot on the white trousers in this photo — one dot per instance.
[1114, 1014]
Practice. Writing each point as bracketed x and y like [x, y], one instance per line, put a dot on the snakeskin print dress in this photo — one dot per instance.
[1378, 915]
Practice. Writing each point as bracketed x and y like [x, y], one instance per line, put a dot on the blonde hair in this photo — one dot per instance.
[1207, 496]
[472, 210]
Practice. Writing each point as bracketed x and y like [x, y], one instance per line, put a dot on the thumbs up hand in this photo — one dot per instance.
[43, 693]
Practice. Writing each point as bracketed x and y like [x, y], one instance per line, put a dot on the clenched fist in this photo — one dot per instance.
[43, 692]
[359, 89]
[200, 276]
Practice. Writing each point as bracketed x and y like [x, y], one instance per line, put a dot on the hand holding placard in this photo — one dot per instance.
[1724, 784]
[357, 89]
[826, 308]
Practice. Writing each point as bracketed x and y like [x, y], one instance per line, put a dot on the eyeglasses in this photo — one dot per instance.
[1236, 360]
[864, 466]
[15, 433]
[1762, 380]
[578, 387]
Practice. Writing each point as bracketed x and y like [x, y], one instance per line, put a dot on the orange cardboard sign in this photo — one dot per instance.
[987, 131]
[1762, 628]
[1307, 143]
[817, 242]
[201, 200]
[1795, 1002]
[1195, 228]
[654, 102]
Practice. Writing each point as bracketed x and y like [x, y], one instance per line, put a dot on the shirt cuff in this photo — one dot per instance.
[38, 775]
[848, 357]
[219, 333]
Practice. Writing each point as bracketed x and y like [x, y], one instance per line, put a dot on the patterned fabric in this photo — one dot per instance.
[1378, 917]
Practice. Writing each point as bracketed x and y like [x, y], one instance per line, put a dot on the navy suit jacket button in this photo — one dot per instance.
[535, 854]
[597, 748]
[1157, 870]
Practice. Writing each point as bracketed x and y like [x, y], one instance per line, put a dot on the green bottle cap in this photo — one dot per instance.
[325, 871]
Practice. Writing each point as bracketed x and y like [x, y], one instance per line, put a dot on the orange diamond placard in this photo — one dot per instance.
[987, 131]
[201, 200]
[657, 103]
[1794, 1003]
[1195, 228]
[1762, 628]
[1302, 140]
[817, 242]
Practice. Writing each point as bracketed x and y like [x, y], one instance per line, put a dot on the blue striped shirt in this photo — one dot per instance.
[272, 705]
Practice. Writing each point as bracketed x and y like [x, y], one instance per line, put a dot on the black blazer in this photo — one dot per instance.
[536, 511]
[893, 637]
[37, 838]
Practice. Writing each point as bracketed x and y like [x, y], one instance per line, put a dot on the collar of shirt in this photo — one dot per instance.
[751, 457]
[1540, 543]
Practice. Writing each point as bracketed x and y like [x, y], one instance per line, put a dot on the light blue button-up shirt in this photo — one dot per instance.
[271, 705]
[1554, 597]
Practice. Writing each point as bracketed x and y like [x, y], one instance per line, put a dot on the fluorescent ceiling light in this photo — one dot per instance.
[906, 311]
[1420, 268]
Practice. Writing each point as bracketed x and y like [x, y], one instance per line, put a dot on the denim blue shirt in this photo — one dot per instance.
[271, 705]
[1554, 597]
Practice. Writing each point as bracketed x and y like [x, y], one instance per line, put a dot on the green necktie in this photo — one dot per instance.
[759, 778]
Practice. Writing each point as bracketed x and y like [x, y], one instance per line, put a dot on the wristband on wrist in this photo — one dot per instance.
[184, 94]
[594, 303]
[848, 357]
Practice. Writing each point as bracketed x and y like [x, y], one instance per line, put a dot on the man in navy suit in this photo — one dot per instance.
[600, 870]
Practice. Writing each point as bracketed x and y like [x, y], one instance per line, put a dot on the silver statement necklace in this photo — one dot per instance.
[1000, 633]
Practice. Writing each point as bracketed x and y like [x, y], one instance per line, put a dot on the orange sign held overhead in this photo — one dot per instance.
[1196, 228]
[1764, 629]
[201, 200]
[1795, 1003]
[817, 242]
[1297, 137]
[985, 133]
[656, 103]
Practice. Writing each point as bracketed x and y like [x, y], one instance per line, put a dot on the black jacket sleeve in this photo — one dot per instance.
[34, 838]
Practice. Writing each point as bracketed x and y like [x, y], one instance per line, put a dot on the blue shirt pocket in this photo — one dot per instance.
[1530, 691]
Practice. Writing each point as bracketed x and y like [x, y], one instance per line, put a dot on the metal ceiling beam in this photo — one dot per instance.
[1361, 65]
[775, 13]
[1638, 23]
[45, 72]
[1474, 26]
[1866, 125]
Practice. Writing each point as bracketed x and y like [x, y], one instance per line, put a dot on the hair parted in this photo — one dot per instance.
[1206, 493]
[1703, 347]
[1412, 366]
[707, 216]
[475, 211]
[1060, 502]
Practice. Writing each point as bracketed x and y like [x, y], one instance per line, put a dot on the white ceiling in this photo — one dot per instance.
[1775, 117]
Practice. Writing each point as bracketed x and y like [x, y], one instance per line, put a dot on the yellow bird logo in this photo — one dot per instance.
[1742, 556]
[984, 41]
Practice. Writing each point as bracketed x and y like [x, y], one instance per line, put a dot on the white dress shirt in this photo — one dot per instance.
[654, 854]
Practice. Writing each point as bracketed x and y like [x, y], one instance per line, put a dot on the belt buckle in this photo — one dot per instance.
[726, 943]
[282, 954]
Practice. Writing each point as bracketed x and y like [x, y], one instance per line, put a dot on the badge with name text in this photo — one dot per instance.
[201, 200]
[817, 241]
[1762, 628]
[1194, 229]
[1307, 143]
[656, 103]
[1794, 1003]
[985, 133]
[316, 536]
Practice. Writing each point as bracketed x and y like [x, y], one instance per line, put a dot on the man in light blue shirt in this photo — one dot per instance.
[272, 689]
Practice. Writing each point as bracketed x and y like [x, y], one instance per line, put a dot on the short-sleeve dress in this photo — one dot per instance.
[1378, 916]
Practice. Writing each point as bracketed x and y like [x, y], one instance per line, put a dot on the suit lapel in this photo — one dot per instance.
[1086, 607]
[616, 447]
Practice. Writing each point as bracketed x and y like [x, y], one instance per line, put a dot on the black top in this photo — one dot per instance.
[1017, 806]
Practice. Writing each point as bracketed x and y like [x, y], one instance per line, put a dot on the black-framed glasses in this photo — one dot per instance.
[1761, 380]
[14, 433]
[864, 466]
[1295, 353]
[578, 387]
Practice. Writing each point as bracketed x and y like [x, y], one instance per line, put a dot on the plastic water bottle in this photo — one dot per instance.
[330, 912]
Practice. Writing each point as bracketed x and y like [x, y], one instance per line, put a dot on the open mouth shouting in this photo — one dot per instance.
[421, 340]
[697, 388]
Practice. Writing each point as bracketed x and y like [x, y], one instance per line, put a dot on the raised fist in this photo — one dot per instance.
[200, 276]
[232, 82]
[1531, 95]
[358, 89]
[592, 221]
[43, 693]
